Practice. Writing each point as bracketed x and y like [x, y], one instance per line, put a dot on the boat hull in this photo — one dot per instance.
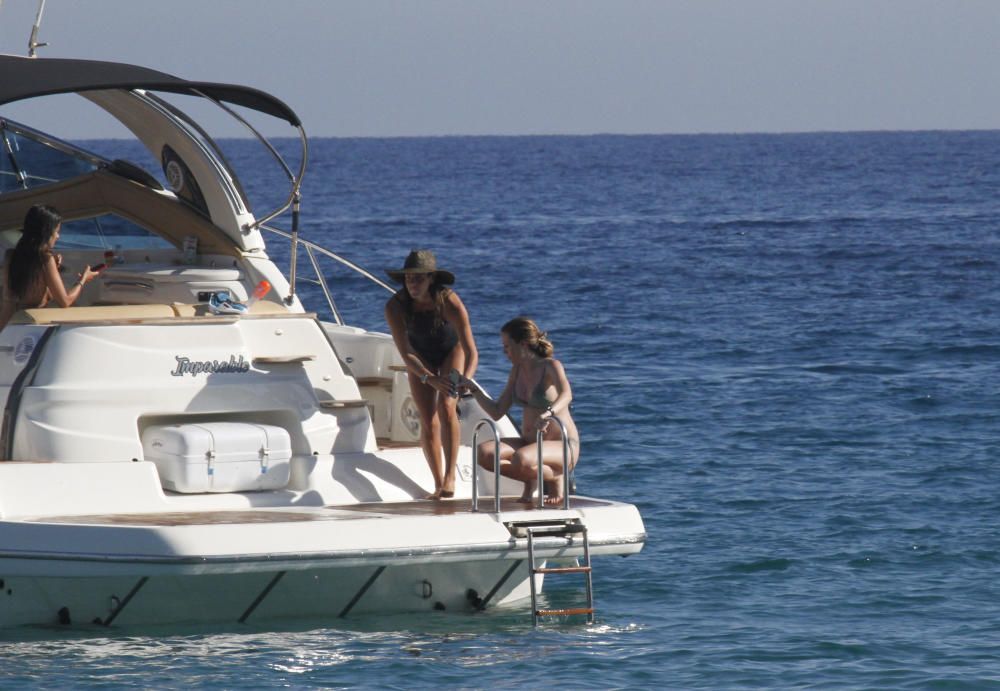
[263, 596]
[263, 564]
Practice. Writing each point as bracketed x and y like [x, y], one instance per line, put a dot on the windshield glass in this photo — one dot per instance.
[29, 162]
[108, 231]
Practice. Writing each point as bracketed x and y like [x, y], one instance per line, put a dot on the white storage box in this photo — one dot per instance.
[219, 456]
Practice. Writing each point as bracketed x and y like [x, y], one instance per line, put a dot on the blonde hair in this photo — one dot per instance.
[524, 331]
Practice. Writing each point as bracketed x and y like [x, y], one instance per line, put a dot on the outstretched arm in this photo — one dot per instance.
[56, 290]
[415, 366]
[498, 408]
[456, 313]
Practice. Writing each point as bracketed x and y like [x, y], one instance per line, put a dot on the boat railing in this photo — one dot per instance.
[541, 465]
[496, 465]
[312, 250]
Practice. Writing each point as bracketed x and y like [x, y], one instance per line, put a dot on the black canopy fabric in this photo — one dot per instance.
[22, 78]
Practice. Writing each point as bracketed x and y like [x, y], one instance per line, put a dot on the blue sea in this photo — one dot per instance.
[784, 350]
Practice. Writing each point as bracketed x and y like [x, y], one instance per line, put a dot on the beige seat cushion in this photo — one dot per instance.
[111, 313]
[58, 315]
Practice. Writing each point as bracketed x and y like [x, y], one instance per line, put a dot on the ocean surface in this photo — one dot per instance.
[784, 350]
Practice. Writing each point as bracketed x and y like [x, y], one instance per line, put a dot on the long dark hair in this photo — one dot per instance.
[523, 331]
[439, 294]
[32, 250]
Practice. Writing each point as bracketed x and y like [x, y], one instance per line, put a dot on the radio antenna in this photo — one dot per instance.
[33, 41]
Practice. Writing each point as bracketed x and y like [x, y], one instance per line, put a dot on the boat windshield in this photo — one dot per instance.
[108, 231]
[30, 159]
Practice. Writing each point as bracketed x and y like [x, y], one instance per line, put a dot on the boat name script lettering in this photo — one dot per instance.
[234, 364]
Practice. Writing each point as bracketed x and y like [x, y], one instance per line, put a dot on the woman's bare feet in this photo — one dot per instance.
[527, 496]
[447, 490]
[553, 492]
[441, 493]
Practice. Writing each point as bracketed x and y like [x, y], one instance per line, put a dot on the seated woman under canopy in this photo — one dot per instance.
[31, 272]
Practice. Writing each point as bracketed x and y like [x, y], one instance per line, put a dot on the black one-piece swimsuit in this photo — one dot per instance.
[432, 342]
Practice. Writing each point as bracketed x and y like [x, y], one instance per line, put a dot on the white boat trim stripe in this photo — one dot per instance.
[512, 550]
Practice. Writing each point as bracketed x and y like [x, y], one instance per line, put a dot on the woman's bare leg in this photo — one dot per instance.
[526, 462]
[553, 460]
[425, 398]
[451, 432]
[508, 446]
[524, 467]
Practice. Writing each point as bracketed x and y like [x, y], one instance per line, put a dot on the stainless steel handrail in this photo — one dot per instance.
[332, 255]
[312, 247]
[337, 317]
[294, 178]
[541, 465]
[496, 465]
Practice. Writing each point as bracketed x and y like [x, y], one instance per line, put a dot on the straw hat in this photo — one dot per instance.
[421, 262]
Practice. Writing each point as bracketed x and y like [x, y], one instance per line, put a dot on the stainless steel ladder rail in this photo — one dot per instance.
[564, 529]
[496, 465]
[541, 465]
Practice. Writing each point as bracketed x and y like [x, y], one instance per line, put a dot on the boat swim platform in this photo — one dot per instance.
[425, 507]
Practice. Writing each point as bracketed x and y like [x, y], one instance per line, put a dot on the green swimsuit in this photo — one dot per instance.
[537, 399]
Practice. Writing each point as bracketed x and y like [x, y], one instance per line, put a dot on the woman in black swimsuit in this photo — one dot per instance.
[431, 330]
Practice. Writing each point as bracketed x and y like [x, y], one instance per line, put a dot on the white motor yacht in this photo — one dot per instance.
[164, 463]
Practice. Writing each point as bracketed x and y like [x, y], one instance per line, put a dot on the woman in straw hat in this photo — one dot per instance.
[430, 327]
[537, 382]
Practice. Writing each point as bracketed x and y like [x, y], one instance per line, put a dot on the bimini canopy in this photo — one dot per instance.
[22, 78]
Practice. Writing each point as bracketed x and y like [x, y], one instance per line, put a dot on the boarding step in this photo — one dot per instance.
[564, 569]
[565, 612]
[546, 527]
[564, 528]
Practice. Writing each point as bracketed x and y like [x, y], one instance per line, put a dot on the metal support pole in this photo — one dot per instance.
[532, 575]
[541, 465]
[496, 465]
[295, 247]
[337, 317]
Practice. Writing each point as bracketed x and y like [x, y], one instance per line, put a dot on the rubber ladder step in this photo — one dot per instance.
[565, 569]
[564, 612]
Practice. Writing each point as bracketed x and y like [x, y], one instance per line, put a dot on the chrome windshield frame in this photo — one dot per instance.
[12, 126]
[294, 194]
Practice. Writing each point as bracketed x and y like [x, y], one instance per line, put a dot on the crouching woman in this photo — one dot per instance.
[537, 382]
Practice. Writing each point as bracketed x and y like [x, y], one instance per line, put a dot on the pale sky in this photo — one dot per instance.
[439, 67]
